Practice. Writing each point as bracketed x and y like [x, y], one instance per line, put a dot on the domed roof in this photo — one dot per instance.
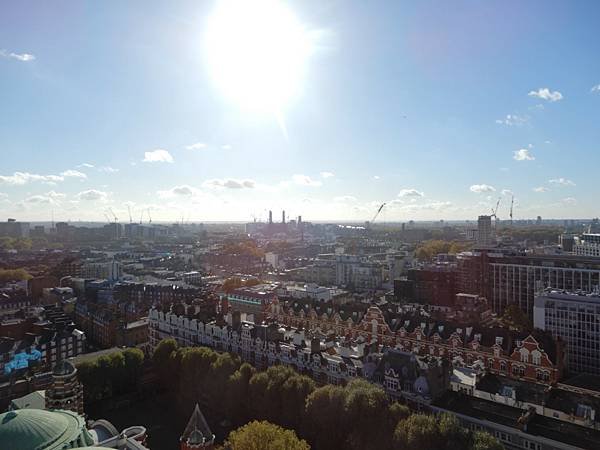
[38, 429]
[63, 367]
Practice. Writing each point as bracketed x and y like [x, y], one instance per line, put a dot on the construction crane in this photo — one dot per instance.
[149, 216]
[107, 217]
[141, 216]
[129, 211]
[110, 210]
[512, 202]
[495, 210]
[377, 214]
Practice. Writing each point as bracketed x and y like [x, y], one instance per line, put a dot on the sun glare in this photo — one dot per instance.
[257, 51]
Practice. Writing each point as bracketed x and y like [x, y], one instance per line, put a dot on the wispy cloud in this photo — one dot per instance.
[50, 197]
[410, 193]
[523, 154]
[92, 195]
[546, 94]
[595, 88]
[86, 165]
[513, 120]
[344, 199]
[376, 177]
[561, 182]
[21, 178]
[24, 57]
[158, 155]
[480, 188]
[507, 192]
[226, 147]
[73, 174]
[108, 169]
[179, 191]
[229, 183]
[327, 174]
[196, 146]
[540, 189]
[305, 180]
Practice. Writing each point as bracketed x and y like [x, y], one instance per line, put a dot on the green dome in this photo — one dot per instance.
[37, 429]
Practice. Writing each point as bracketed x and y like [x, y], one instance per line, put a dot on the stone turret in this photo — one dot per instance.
[197, 434]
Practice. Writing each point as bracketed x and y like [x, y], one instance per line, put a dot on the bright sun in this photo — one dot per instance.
[257, 52]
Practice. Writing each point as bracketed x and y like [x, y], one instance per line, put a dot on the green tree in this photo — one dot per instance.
[162, 357]
[264, 436]
[134, 361]
[14, 275]
[325, 417]
[237, 393]
[485, 441]
[515, 317]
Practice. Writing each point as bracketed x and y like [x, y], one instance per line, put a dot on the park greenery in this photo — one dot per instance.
[117, 373]
[233, 283]
[356, 416]
[264, 435]
[7, 275]
[431, 248]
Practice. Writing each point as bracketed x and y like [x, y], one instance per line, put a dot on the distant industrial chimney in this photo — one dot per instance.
[270, 216]
[299, 220]
[283, 216]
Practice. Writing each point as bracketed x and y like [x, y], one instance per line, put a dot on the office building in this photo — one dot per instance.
[574, 318]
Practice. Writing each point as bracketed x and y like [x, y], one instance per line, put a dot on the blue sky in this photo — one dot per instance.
[437, 108]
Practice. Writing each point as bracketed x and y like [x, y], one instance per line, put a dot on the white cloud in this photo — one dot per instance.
[479, 188]
[540, 189]
[513, 120]
[86, 165]
[305, 180]
[561, 182]
[569, 201]
[410, 193]
[344, 199]
[196, 146]
[73, 174]
[376, 177]
[229, 183]
[523, 155]
[507, 192]
[158, 155]
[546, 94]
[327, 174]
[50, 197]
[92, 195]
[21, 178]
[24, 57]
[180, 191]
[595, 88]
[107, 169]
[226, 147]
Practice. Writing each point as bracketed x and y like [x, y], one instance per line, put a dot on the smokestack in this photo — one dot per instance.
[299, 220]
[270, 216]
[283, 216]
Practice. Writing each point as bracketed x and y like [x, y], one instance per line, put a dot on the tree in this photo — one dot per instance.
[485, 441]
[325, 417]
[162, 360]
[134, 361]
[264, 436]
[13, 275]
[515, 317]
[418, 432]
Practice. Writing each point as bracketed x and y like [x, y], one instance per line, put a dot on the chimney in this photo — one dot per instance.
[299, 220]
[283, 216]
[270, 216]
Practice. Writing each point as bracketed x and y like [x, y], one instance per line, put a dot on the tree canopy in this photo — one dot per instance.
[13, 275]
[264, 436]
[431, 248]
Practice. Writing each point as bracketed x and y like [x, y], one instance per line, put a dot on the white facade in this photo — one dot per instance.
[576, 320]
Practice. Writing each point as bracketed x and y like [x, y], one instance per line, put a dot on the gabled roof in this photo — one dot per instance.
[197, 430]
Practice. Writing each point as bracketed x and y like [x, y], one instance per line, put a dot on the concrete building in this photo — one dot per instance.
[484, 231]
[65, 392]
[12, 228]
[109, 270]
[575, 318]
[587, 245]
[358, 272]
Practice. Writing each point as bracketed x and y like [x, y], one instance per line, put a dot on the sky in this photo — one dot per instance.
[219, 110]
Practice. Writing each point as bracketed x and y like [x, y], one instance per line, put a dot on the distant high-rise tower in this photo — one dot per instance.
[270, 216]
[66, 391]
[283, 216]
[484, 230]
[197, 434]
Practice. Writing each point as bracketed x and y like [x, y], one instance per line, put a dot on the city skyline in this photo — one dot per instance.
[436, 111]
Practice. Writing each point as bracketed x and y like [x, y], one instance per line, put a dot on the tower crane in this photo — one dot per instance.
[149, 216]
[495, 210]
[377, 213]
[110, 210]
[512, 202]
[141, 216]
[129, 211]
